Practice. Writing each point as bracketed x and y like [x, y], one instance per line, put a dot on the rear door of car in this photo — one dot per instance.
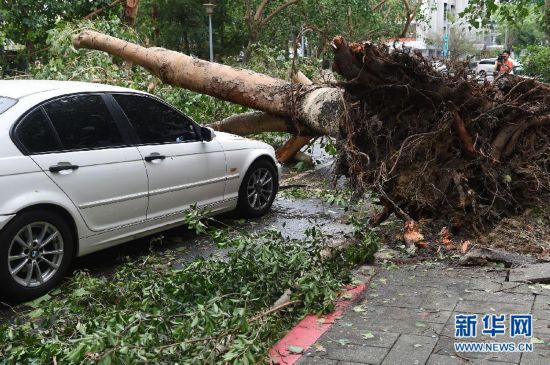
[78, 143]
[182, 169]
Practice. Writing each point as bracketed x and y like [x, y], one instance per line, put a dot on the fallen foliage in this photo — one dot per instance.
[208, 311]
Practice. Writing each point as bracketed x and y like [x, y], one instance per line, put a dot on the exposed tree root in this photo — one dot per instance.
[441, 146]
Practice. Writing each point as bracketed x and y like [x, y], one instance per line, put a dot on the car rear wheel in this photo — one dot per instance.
[258, 189]
[36, 249]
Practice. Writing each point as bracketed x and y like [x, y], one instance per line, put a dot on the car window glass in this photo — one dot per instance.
[82, 122]
[6, 103]
[36, 134]
[155, 122]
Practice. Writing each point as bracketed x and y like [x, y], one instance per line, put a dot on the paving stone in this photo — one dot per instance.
[360, 337]
[536, 358]
[399, 326]
[436, 359]
[411, 314]
[539, 273]
[500, 297]
[438, 276]
[541, 313]
[471, 306]
[509, 287]
[413, 297]
[411, 278]
[410, 349]
[306, 360]
[542, 302]
[541, 327]
[486, 285]
[400, 300]
[355, 353]
[540, 289]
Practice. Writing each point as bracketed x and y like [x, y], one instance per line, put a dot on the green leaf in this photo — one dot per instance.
[295, 349]
[36, 313]
[367, 335]
[105, 360]
[38, 301]
[80, 292]
[81, 328]
[359, 308]
[343, 341]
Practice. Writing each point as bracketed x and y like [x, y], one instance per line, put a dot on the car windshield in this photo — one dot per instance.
[6, 103]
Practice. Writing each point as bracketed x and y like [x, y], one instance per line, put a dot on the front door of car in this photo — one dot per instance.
[87, 157]
[182, 169]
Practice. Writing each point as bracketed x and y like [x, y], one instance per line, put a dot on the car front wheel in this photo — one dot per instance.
[36, 249]
[258, 189]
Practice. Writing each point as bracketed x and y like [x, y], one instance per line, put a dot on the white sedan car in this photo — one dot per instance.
[87, 166]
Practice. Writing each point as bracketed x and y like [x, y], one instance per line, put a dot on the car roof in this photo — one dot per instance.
[17, 89]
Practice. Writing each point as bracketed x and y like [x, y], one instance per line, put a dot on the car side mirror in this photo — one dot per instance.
[207, 134]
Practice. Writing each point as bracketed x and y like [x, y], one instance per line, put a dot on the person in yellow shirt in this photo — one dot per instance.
[503, 64]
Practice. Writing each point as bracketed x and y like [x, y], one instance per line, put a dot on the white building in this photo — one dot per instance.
[443, 16]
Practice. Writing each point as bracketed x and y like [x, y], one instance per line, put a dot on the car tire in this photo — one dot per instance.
[258, 189]
[482, 74]
[36, 250]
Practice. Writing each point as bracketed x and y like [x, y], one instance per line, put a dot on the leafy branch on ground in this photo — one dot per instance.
[208, 311]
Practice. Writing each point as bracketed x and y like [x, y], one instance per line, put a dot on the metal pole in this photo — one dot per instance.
[302, 47]
[210, 38]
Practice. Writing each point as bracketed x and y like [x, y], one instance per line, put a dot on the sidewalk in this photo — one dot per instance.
[406, 316]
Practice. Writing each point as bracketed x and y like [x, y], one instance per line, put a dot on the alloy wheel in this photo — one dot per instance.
[35, 254]
[260, 188]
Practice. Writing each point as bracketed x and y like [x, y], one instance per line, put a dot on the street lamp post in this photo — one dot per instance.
[210, 10]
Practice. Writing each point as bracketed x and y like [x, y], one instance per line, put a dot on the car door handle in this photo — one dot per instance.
[154, 156]
[62, 166]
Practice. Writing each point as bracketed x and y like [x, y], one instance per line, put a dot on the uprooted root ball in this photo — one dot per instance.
[438, 145]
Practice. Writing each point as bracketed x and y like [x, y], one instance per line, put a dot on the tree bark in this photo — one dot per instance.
[289, 150]
[253, 123]
[291, 147]
[155, 19]
[315, 108]
[130, 12]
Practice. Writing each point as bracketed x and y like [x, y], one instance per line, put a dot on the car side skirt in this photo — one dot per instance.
[148, 227]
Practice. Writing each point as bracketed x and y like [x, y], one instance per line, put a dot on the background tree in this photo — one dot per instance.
[258, 15]
[460, 44]
[480, 12]
[27, 22]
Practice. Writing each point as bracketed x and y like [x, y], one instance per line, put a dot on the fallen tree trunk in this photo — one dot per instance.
[431, 144]
[313, 107]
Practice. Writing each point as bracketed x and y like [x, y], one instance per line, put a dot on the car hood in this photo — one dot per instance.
[232, 141]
